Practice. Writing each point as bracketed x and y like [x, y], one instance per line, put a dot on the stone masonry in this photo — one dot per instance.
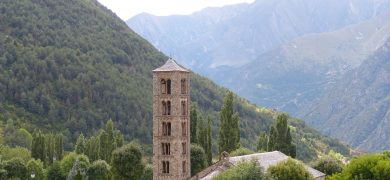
[171, 122]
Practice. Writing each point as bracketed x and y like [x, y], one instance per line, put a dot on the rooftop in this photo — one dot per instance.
[171, 65]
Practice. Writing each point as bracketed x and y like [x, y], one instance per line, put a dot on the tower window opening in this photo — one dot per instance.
[183, 129]
[184, 165]
[184, 147]
[163, 86]
[183, 108]
[165, 169]
[168, 86]
[183, 86]
[165, 148]
[166, 129]
[168, 109]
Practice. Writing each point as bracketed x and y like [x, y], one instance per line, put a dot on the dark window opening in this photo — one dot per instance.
[168, 86]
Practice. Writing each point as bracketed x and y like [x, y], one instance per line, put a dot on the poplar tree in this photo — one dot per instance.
[280, 137]
[262, 142]
[92, 148]
[208, 151]
[59, 146]
[204, 138]
[50, 148]
[193, 123]
[80, 144]
[229, 129]
[38, 146]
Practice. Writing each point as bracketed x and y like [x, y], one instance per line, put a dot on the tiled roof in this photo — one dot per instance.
[171, 65]
[265, 160]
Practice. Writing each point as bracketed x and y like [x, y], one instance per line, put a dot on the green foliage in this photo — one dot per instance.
[204, 137]
[8, 153]
[36, 167]
[194, 121]
[229, 130]
[99, 170]
[67, 163]
[16, 168]
[127, 162]
[198, 159]
[38, 150]
[54, 172]
[148, 173]
[280, 137]
[49, 148]
[289, 170]
[80, 144]
[370, 166]
[328, 165]
[93, 148]
[241, 151]
[245, 170]
[262, 142]
[59, 146]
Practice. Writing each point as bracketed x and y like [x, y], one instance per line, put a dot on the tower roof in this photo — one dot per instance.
[171, 65]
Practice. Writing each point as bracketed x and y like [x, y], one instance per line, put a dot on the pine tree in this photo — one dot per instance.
[262, 142]
[193, 125]
[80, 144]
[229, 130]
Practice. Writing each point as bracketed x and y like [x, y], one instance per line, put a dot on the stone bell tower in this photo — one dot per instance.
[171, 122]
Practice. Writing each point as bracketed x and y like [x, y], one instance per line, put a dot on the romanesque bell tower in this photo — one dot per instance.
[171, 122]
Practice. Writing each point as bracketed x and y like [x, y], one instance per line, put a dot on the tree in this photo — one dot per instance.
[93, 148]
[198, 159]
[289, 169]
[262, 142]
[204, 137]
[328, 165]
[245, 170]
[99, 170]
[16, 168]
[194, 122]
[280, 137]
[54, 172]
[80, 144]
[370, 166]
[148, 173]
[127, 161]
[229, 130]
[38, 146]
[50, 148]
[67, 163]
[59, 146]
[36, 167]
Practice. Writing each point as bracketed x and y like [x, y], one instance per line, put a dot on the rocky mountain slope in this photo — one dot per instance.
[356, 108]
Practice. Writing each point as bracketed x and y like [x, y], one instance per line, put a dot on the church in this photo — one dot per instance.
[171, 127]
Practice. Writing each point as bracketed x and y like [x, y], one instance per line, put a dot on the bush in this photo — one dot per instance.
[245, 170]
[198, 159]
[289, 170]
[36, 167]
[241, 151]
[54, 172]
[328, 165]
[127, 162]
[148, 173]
[99, 170]
[16, 168]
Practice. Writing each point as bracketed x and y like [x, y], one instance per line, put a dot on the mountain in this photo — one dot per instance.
[356, 108]
[69, 66]
[295, 73]
[237, 34]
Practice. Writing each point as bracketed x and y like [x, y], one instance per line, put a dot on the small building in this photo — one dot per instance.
[171, 122]
[265, 160]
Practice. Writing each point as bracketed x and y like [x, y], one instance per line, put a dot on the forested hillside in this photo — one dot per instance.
[69, 66]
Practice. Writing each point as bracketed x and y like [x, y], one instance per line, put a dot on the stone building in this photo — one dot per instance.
[171, 122]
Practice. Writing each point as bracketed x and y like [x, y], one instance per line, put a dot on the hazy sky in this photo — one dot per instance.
[125, 9]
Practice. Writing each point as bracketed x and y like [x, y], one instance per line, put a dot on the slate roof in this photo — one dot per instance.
[265, 160]
[171, 65]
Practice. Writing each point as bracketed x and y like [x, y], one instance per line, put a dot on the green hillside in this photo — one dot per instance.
[69, 66]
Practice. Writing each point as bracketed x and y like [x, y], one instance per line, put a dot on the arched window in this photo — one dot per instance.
[183, 86]
[165, 169]
[168, 108]
[164, 108]
[165, 148]
[183, 108]
[163, 86]
[168, 86]
[166, 129]
[183, 129]
[184, 148]
[184, 165]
